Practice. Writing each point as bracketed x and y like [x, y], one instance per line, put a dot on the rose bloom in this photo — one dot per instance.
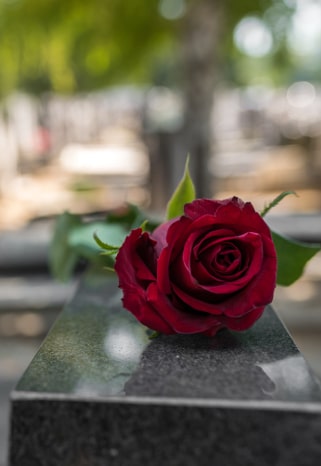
[213, 267]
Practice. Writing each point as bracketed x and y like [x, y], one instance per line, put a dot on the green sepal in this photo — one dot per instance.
[276, 201]
[108, 248]
[110, 269]
[292, 257]
[184, 193]
[143, 226]
[82, 241]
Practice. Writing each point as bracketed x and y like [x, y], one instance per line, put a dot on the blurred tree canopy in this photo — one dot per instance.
[77, 45]
[69, 46]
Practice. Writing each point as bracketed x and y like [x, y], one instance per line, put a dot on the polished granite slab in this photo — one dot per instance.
[100, 392]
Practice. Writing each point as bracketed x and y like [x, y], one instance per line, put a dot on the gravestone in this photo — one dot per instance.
[100, 392]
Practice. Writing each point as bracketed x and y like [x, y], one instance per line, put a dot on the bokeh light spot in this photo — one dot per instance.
[253, 37]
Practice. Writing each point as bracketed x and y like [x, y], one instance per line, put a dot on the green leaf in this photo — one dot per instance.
[81, 239]
[62, 257]
[184, 193]
[292, 258]
[276, 201]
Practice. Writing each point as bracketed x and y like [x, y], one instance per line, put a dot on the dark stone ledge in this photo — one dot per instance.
[99, 392]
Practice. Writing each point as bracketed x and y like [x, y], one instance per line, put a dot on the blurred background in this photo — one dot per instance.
[101, 101]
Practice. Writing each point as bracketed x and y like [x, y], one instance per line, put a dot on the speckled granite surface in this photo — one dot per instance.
[99, 392]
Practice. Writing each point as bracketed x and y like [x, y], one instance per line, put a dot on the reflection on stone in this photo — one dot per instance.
[291, 378]
[114, 386]
[97, 348]
[122, 345]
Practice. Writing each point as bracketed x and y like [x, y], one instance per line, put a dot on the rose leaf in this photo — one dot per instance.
[184, 193]
[292, 258]
[62, 257]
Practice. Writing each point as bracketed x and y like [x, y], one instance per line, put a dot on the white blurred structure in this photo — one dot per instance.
[102, 160]
[18, 125]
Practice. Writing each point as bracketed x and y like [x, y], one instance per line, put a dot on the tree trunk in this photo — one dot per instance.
[202, 31]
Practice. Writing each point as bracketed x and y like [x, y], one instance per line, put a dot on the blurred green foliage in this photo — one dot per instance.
[80, 45]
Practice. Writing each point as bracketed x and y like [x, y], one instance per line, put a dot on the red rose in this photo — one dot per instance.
[213, 267]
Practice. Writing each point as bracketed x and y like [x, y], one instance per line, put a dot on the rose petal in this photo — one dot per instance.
[208, 303]
[201, 207]
[130, 269]
[225, 260]
[182, 277]
[159, 235]
[215, 233]
[211, 332]
[243, 322]
[181, 321]
[136, 302]
[175, 230]
[260, 290]
[136, 258]
[229, 212]
[202, 275]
